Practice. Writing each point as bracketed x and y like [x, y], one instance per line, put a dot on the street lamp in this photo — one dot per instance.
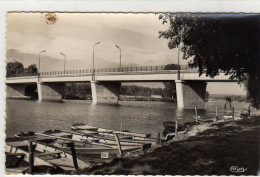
[64, 60]
[120, 55]
[178, 75]
[94, 60]
[40, 59]
[40, 63]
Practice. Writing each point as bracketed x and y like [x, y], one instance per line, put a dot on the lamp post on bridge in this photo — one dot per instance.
[120, 56]
[178, 74]
[64, 61]
[93, 71]
[40, 62]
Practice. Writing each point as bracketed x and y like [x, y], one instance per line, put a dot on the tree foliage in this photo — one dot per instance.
[77, 91]
[134, 90]
[170, 87]
[16, 67]
[216, 43]
[32, 69]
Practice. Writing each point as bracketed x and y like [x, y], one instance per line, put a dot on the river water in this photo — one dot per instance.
[136, 116]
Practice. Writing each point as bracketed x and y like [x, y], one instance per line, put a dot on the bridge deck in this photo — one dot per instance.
[151, 76]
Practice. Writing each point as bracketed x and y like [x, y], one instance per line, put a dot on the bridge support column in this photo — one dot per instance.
[190, 93]
[50, 91]
[105, 92]
[15, 91]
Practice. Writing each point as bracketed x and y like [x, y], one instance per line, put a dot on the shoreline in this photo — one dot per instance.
[198, 147]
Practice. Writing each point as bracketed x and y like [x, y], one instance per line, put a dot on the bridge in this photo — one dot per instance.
[105, 83]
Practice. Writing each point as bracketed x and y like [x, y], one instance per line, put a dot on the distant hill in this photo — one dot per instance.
[57, 64]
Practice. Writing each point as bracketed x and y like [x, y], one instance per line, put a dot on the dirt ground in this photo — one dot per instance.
[224, 148]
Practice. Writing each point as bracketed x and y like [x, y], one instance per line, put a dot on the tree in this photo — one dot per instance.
[32, 69]
[14, 68]
[170, 87]
[216, 43]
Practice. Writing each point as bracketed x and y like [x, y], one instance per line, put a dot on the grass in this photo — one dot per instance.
[211, 152]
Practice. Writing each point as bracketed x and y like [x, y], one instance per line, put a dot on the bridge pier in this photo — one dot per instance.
[105, 92]
[50, 91]
[190, 93]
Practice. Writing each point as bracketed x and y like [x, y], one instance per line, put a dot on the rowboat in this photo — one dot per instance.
[19, 150]
[45, 155]
[169, 127]
[84, 126]
[92, 150]
[110, 138]
[81, 126]
[90, 140]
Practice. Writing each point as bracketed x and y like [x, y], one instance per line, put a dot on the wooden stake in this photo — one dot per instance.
[196, 113]
[216, 113]
[31, 158]
[176, 127]
[121, 126]
[74, 155]
[158, 139]
[233, 112]
[118, 145]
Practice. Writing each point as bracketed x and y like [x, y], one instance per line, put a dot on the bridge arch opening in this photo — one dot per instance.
[31, 90]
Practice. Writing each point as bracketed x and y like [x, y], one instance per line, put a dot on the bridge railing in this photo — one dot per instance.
[104, 70]
[22, 74]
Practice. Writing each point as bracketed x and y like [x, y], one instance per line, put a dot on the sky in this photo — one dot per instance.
[74, 34]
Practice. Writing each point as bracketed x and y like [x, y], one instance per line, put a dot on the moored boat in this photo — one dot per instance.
[81, 126]
[88, 149]
[45, 155]
[169, 127]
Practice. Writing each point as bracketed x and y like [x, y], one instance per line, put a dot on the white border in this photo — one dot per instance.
[223, 6]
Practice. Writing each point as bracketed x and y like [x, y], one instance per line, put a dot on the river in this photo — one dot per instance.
[137, 116]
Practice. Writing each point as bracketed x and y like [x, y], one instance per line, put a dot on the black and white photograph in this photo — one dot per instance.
[127, 93]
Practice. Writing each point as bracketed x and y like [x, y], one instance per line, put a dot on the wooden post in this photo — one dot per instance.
[249, 111]
[176, 127]
[31, 158]
[74, 155]
[196, 113]
[118, 145]
[216, 113]
[158, 139]
[121, 126]
[233, 112]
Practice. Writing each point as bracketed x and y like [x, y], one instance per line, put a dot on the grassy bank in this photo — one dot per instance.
[219, 150]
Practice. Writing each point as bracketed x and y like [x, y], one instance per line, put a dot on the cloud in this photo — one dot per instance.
[75, 33]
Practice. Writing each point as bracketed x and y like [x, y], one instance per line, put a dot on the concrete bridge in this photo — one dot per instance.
[105, 83]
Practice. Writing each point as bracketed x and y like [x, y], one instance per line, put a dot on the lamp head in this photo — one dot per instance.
[118, 47]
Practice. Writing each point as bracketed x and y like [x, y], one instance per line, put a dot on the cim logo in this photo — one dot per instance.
[237, 169]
